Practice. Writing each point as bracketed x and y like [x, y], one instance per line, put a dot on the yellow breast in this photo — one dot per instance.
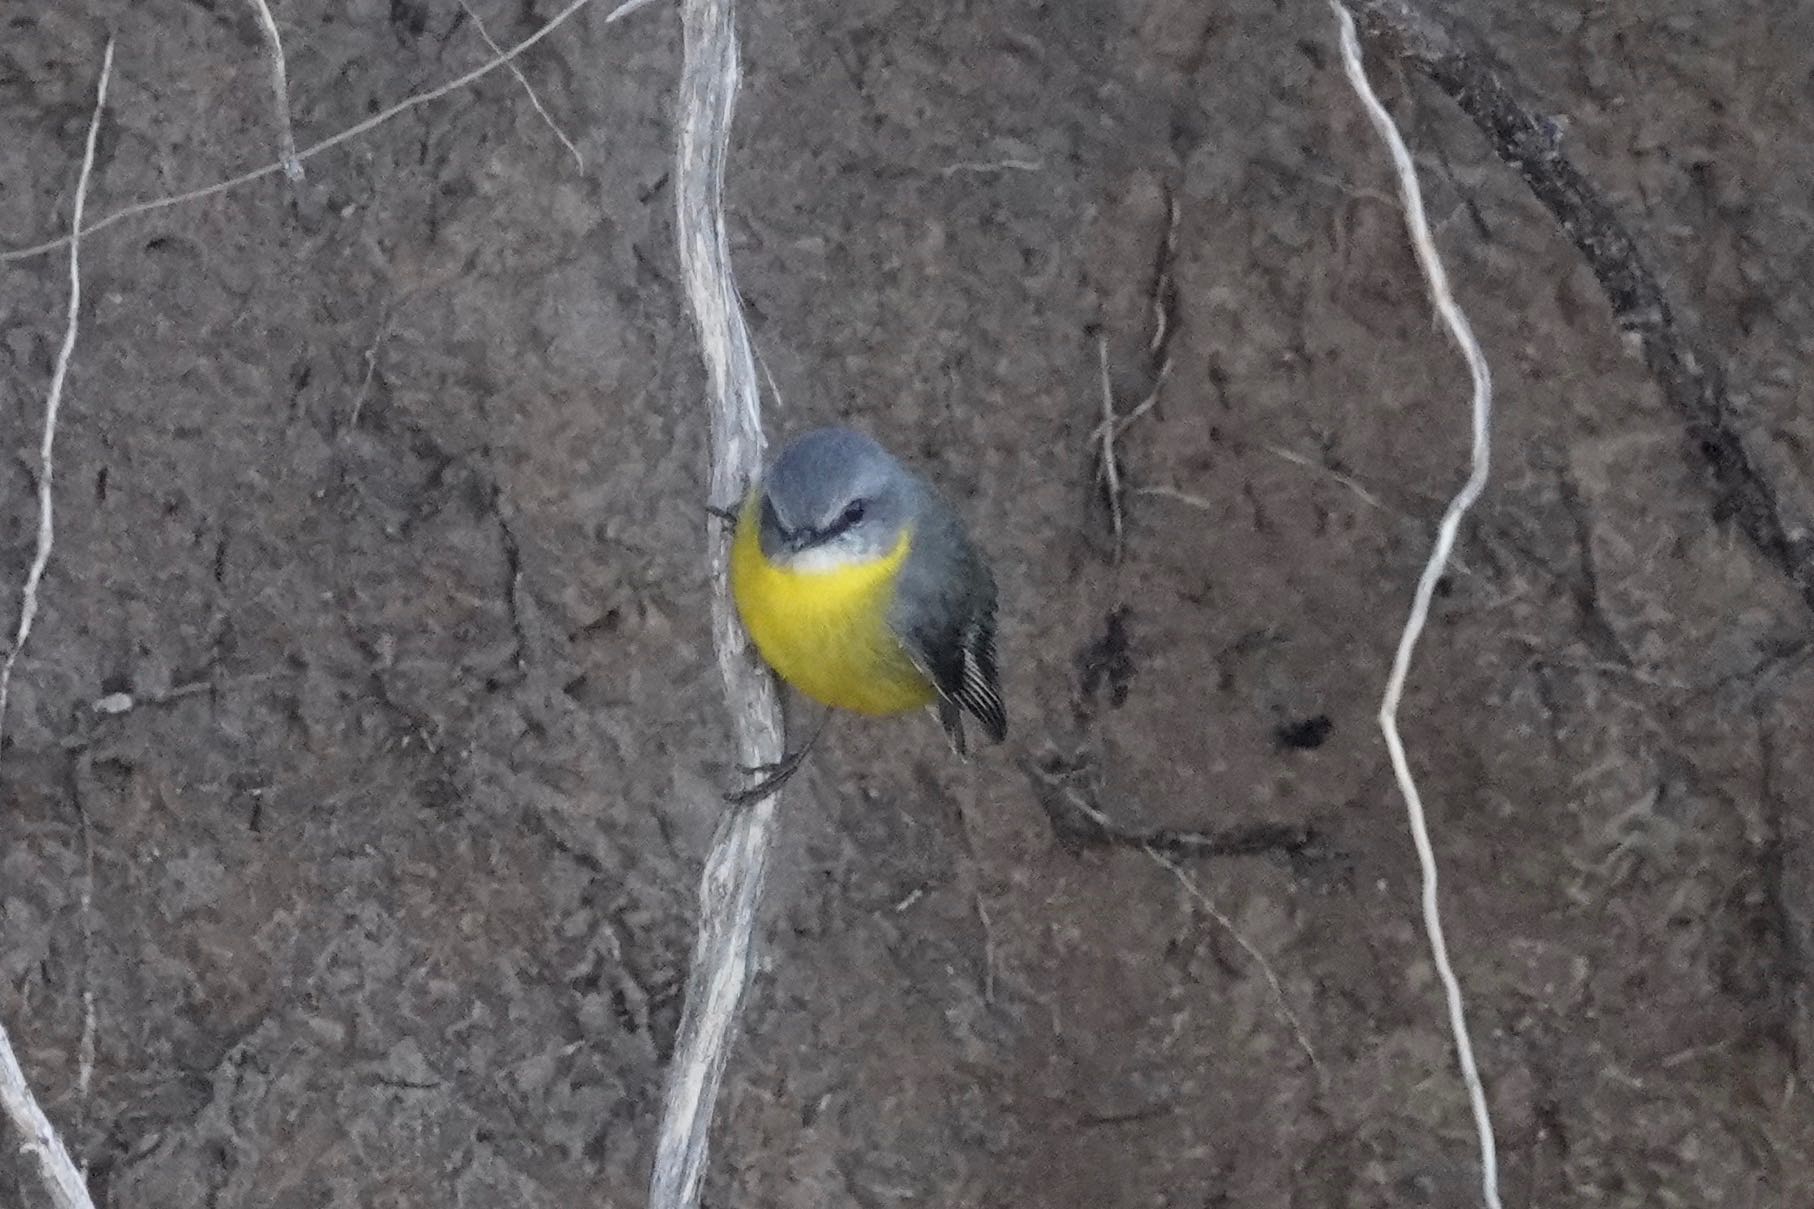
[826, 632]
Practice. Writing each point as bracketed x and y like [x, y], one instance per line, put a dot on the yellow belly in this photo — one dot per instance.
[826, 633]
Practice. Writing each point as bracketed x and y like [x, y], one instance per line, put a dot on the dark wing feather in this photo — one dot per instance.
[961, 666]
[967, 683]
[979, 689]
[944, 613]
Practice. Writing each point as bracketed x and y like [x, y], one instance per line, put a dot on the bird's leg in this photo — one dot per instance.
[774, 776]
[727, 515]
[777, 774]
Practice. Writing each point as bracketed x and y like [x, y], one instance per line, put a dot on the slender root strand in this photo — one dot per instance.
[1481, 411]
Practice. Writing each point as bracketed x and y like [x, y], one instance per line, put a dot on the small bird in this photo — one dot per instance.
[861, 588]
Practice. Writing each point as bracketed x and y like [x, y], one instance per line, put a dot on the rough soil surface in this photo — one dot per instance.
[381, 498]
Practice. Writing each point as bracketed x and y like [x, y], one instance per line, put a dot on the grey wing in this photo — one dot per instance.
[944, 614]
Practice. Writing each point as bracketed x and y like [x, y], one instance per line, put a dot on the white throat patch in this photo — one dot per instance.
[823, 560]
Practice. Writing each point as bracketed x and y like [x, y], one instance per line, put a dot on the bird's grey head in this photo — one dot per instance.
[832, 498]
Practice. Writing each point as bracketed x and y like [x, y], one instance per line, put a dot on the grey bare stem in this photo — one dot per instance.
[38, 1138]
[730, 887]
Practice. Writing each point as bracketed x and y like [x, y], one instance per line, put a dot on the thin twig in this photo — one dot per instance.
[280, 90]
[1241, 840]
[1481, 410]
[371, 369]
[529, 88]
[1105, 435]
[1155, 854]
[1162, 303]
[332, 141]
[1166, 492]
[1271, 975]
[61, 1178]
[980, 166]
[730, 887]
[1165, 290]
[1349, 481]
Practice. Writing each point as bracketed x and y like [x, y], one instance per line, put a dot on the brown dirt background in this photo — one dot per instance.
[393, 864]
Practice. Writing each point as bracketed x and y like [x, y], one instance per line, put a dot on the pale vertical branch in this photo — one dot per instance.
[53, 406]
[280, 90]
[90, 1026]
[1481, 410]
[39, 1138]
[730, 888]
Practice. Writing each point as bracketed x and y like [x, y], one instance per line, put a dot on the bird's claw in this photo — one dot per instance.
[774, 775]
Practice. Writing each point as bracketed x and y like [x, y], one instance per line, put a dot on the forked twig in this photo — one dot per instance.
[1162, 305]
[39, 1138]
[1481, 410]
[478, 24]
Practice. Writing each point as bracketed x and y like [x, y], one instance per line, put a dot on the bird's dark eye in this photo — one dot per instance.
[853, 513]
